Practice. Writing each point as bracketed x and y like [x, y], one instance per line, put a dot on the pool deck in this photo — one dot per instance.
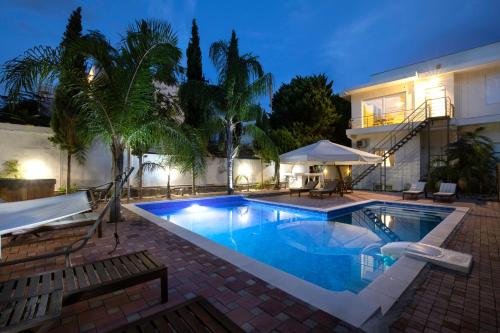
[441, 301]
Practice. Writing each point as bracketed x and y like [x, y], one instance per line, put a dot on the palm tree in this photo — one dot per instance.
[121, 100]
[41, 68]
[241, 80]
[472, 161]
[189, 157]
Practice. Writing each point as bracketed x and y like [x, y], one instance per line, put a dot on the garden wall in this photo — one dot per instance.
[39, 158]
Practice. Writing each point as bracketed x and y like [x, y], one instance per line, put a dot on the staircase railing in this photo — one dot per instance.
[405, 130]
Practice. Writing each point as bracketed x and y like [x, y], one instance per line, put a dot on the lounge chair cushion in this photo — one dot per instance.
[444, 194]
[74, 219]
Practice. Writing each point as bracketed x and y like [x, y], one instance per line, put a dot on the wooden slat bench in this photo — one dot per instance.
[195, 315]
[85, 281]
[22, 314]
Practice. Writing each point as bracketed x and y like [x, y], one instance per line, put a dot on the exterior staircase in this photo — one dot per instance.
[417, 120]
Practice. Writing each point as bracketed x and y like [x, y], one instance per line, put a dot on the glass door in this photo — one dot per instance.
[436, 101]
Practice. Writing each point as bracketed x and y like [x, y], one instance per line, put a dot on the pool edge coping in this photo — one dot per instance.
[379, 296]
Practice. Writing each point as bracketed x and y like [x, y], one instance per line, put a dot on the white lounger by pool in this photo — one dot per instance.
[19, 216]
[450, 259]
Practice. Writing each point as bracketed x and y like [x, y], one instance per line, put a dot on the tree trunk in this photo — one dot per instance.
[193, 184]
[140, 157]
[261, 174]
[68, 173]
[277, 175]
[115, 211]
[129, 157]
[229, 156]
[169, 196]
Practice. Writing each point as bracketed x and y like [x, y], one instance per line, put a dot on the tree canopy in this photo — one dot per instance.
[67, 122]
[306, 110]
[241, 79]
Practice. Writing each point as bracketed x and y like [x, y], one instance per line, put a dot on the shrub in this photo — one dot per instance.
[10, 169]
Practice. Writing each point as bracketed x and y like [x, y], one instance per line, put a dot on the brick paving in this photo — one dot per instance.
[443, 301]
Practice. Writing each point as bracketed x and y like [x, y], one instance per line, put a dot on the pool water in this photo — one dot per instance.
[338, 250]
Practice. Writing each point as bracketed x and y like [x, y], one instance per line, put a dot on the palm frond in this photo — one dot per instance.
[35, 70]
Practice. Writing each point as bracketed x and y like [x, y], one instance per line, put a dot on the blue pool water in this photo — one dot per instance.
[337, 250]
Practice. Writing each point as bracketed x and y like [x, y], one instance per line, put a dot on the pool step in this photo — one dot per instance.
[381, 225]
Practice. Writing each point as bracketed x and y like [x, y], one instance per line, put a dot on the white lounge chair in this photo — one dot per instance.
[446, 191]
[45, 214]
[415, 190]
[450, 259]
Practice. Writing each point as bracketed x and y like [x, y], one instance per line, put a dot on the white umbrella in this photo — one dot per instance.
[327, 152]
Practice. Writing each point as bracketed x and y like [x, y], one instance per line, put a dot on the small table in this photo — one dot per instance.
[22, 313]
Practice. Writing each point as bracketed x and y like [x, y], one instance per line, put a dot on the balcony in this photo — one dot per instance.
[432, 108]
[372, 120]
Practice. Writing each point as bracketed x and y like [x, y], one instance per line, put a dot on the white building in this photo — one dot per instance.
[410, 113]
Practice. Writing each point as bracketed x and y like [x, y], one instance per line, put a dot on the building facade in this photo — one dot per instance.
[409, 114]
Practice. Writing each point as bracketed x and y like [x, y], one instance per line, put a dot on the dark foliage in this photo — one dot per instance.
[67, 122]
[306, 110]
[470, 162]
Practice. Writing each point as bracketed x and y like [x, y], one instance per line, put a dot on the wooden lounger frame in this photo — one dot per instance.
[86, 281]
[79, 243]
[195, 315]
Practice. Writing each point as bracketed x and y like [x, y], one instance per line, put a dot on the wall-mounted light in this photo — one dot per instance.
[245, 169]
[35, 169]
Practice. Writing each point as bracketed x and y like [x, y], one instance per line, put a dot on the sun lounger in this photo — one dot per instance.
[23, 314]
[195, 315]
[453, 260]
[415, 190]
[329, 189]
[309, 186]
[446, 191]
[50, 212]
[347, 187]
[45, 214]
[75, 284]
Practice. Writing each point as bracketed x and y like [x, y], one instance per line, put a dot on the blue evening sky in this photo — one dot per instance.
[347, 40]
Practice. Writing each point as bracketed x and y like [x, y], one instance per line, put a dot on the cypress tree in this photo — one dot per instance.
[66, 121]
[193, 53]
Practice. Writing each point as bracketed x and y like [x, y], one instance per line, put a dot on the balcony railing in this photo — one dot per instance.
[437, 107]
[388, 118]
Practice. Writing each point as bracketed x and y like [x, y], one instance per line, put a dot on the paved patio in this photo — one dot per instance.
[443, 301]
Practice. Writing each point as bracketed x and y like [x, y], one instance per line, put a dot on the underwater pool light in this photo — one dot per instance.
[195, 208]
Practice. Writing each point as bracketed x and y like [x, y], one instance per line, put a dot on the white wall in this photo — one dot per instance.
[470, 100]
[215, 173]
[39, 158]
[406, 169]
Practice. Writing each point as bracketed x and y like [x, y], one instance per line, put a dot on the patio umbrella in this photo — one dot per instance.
[326, 152]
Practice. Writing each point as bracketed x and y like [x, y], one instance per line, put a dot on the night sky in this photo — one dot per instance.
[347, 40]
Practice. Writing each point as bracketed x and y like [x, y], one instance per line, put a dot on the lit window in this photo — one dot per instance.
[384, 110]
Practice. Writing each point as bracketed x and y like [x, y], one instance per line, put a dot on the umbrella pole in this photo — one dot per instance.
[341, 180]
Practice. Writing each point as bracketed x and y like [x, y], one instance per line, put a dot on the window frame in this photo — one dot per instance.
[383, 99]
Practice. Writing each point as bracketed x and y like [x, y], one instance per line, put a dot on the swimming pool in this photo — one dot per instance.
[310, 253]
[338, 252]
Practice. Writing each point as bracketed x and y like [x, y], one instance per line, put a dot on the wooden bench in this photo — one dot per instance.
[195, 315]
[26, 313]
[85, 281]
